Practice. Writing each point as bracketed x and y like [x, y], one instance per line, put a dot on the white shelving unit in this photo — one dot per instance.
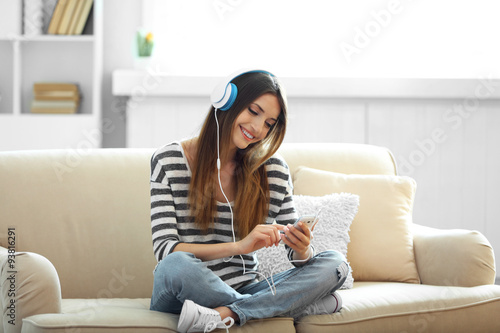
[51, 58]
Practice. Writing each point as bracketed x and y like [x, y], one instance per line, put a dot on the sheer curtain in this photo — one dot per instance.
[327, 38]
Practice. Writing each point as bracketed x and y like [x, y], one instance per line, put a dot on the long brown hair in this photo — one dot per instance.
[251, 204]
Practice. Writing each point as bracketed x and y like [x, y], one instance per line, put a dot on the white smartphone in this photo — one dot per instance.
[309, 220]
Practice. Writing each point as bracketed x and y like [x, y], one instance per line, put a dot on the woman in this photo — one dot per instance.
[207, 267]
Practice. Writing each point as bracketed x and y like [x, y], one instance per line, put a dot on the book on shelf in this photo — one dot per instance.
[56, 16]
[70, 16]
[69, 11]
[74, 18]
[54, 86]
[83, 17]
[53, 106]
[55, 97]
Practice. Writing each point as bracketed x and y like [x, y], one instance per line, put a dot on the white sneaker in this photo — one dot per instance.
[329, 304]
[197, 318]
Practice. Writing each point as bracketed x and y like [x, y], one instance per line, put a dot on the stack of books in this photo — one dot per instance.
[69, 17]
[55, 98]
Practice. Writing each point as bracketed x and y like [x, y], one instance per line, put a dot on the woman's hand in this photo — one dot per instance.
[263, 235]
[299, 239]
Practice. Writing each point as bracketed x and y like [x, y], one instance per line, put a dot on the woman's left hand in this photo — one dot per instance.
[299, 239]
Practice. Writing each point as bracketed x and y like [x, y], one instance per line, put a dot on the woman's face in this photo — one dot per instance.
[253, 123]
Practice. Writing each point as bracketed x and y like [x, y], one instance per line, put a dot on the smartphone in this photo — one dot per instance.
[309, 220]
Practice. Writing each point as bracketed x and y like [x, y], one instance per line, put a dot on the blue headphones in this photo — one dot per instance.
[224, 94]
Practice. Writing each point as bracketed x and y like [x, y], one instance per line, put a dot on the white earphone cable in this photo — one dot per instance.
[220, 184]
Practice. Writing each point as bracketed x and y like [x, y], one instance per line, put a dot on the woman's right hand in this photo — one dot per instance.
[263, 235]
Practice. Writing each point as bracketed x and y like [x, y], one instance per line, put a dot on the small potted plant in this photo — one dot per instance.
[145, 44]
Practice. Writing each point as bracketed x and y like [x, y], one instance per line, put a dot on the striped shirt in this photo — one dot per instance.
[172, 223]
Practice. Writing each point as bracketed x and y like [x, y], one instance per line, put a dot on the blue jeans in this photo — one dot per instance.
[181, 276]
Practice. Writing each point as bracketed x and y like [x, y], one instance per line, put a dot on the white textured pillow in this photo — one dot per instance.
[330, 233]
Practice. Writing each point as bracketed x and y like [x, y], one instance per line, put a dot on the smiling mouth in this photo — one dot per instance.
[246, 134]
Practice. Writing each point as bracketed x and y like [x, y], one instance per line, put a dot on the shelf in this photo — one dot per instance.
[27, 59]
[50, 38]
[45, 115]
[62, 63]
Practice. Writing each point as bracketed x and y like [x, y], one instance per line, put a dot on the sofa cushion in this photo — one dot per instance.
[404, 307]
[381, 247]
[127, 315]
[331, 232]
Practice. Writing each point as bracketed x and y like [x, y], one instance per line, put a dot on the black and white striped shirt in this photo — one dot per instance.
[172, 223]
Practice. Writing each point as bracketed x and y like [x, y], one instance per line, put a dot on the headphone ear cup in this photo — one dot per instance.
[232, 92]
[224, 94]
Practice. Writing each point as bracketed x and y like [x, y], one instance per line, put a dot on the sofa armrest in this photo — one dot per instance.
[28, 286]
[453, 257]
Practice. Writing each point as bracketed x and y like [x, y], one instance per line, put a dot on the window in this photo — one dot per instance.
[327, 38]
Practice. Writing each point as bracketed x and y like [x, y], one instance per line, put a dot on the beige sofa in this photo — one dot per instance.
[78, 221]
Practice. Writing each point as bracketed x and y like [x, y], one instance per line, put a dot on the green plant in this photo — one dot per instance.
[145, 44]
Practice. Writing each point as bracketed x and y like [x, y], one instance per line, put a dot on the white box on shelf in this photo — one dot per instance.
[33, 17]
[10, 18]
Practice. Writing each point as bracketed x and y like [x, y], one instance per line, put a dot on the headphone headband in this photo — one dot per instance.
[224, 94]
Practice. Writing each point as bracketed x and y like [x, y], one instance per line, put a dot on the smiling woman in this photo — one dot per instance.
[244, 132]
[324, 38]
[202, 245]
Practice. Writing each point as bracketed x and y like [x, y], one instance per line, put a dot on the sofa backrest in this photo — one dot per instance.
[89, 212]
[348, 158]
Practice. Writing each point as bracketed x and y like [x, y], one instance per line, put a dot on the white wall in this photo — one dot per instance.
[325, 38]
[121, 19]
